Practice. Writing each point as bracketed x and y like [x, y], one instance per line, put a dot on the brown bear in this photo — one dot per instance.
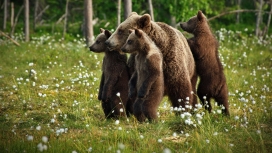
[114, 79]
[147, 80]
[204, 47]
[178, 62]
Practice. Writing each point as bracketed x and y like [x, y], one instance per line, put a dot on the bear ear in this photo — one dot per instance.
[107, 33]
[138, 33]
[101, 30]
[144, 21]
[200, 15]
[132, 13]
[130, 31]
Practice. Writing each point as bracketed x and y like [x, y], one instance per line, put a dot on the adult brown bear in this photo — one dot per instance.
[178, 62]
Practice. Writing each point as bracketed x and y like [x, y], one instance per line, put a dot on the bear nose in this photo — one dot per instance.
[123, 49]
[90, 47]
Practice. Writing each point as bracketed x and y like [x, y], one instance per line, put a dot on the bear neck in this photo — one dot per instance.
[155, 30]
[115, 56]
[202, 29]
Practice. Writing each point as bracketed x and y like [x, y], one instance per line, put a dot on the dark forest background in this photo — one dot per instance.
[49, 16]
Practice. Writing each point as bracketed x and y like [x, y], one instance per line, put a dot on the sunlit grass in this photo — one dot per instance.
[49, 87]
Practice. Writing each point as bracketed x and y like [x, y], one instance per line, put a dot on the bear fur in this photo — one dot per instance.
[147, 80]
[204, 47]
[178, 62]
[114, 79]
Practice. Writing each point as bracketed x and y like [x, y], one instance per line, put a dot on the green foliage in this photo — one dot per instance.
[106, 13]
[48, 92]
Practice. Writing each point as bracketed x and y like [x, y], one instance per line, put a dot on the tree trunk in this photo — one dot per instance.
[88, 11]
[26, 3]
[173, 21]
[259, 17]
[127, 8]
[118, 12]
[12, 14]
[16, 20]
[5, 14]
[269, 18]
[151, 9]
[65, 19]
[238, 14]
[35, 13]
[39, 16]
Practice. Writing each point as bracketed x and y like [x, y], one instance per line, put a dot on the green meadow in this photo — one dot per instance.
[48, 102]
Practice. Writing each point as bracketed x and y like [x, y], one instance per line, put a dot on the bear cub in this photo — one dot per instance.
[114, 79]
[204, 47]
[147, 80]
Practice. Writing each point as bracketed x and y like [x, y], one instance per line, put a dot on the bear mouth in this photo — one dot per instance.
[112, 48]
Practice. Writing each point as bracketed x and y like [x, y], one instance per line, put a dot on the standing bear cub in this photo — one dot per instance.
[147, 80]
[115, 77]
[204, 47]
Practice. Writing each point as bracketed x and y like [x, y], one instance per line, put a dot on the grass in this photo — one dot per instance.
[48, 94]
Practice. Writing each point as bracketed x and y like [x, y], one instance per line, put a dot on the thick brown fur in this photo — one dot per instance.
[204, 47]
[178, 63]
[114, 79]
[147, 80]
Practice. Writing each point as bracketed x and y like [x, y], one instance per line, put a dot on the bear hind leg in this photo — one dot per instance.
[106, 106]
[205, 99]
[150, 110]
[179, 94]
[222, 100]
[137, 110]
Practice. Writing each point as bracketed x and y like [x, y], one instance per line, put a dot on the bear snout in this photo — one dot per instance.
[91, 48]
[109, 45]
[123, 49]
[182, 25]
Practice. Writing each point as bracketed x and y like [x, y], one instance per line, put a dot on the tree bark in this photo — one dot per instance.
[15, 42]
[235, 11]
[173, 21]
[41, 13]
[151, 9]
[16, 20]
[118, 13]
[259, 18]
[238, 14]
[5, 14]
[12, 14]
[127, 8]
[88, 10]
[65, 19]
[26, 3]
[269, 18]
[35, 13]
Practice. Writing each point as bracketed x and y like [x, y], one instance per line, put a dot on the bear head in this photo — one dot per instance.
[133, 43]
[193, 24]
[99, 44]
[134, 21]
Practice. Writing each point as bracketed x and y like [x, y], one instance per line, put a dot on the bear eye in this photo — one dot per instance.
[129, 42]
[120, 32]
[98, 42]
